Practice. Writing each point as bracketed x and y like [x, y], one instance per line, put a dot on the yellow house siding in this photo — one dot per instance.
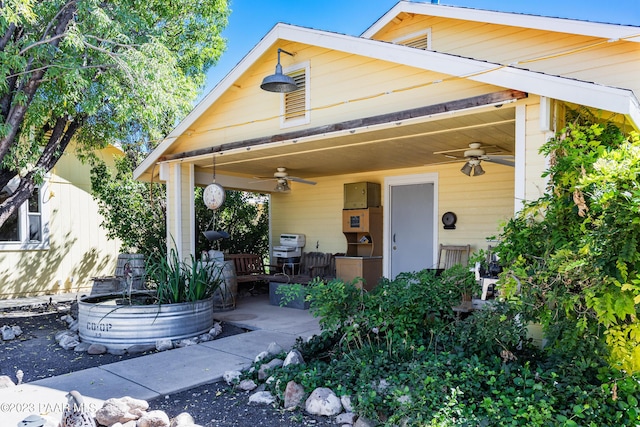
[536, 164]
[479, 202]
[346, 87]
[575, 56]
[78, 247]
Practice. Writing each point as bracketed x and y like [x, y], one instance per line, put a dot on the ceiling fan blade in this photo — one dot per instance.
[300, 180]
[502, 160]
[458, 150]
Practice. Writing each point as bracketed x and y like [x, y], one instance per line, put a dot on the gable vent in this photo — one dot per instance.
[418, 40]
[295, 102]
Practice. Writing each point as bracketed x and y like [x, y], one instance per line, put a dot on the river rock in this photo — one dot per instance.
[154, 419]
[162, 345]
[69, 342]
[140, 348]
[82, 347]
[183, 420]
[231, 377]
[205, 338]
[323, 401]
[114, 411]
[293, 358]
[261, 356]
[216, 330]
[117, 351]
[293, 395]
[7, 333]
[96, 349]
[6, 382]
[346, 403]
[75, 326]
[186, 342]
[346, 418]
[17, 331]
[274, 349]
[262, 397]
[247, 385]
[266, 367]
[59, 335]
[363, 422]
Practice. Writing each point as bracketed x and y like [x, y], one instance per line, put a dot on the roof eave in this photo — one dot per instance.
[563, 25]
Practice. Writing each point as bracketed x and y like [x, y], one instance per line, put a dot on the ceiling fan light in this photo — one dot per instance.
[466, 169]
[477, 170]
[282, 186]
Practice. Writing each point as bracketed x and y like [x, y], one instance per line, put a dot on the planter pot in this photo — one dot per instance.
[275, 298]
[103, 321]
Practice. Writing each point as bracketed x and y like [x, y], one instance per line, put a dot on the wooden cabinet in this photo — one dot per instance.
[363, 230]
[368, 268]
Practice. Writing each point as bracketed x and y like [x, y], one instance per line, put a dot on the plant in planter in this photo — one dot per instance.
[461, 278]
[178, 281]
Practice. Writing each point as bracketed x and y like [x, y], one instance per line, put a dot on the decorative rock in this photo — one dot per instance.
[82, 347]
[247, 385]
[265, 368]
[293, 358]
[346, 403]
[262, 397]
[231, 377]
[261, 356]
[154, 419]
[133, 403]
[7, 333]
[19, 376]
[117, 351]
[205, 338]
[114, 411]
[17, 331]
[62, 334]
[96, 349]
[363, 422]
[74, 327]
[274, 349]
[323, 401]
[216, 330]
[186, 342]
[162, 345]
[69, 342]
[293, 395]
[346, 418]
[6, 382]
[140, 348]
[183, 420]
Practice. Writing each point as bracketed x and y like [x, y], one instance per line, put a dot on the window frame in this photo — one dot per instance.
[303, 119]
[25, 243]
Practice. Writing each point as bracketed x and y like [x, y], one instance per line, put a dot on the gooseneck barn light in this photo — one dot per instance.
[279, 82]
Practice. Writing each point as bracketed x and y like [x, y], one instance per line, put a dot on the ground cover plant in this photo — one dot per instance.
[571, 263]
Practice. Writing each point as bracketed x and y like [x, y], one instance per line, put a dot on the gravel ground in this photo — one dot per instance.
[37, 354]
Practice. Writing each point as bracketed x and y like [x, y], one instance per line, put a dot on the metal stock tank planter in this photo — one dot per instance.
[179, 305]
[110, 321]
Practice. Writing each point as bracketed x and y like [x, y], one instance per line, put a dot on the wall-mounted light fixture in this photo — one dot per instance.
[279, 82]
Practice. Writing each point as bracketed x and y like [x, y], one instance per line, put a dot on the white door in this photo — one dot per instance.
[411, 227]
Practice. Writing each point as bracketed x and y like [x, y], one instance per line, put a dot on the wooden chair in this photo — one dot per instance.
[451, 255]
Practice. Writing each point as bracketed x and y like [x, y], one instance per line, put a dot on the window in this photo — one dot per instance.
[295, 105]
[418, 40]
[26, 228]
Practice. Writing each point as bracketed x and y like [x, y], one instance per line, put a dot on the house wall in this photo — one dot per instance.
[580, 57]
[342, 87]
[480, 203]
[78, 249]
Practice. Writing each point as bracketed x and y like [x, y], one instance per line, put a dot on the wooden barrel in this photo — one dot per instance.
[224, 298]
[136, 266]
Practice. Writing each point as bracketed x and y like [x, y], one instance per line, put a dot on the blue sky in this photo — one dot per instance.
[251, 20]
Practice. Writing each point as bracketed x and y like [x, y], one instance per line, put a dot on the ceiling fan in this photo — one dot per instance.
[283, 178]
[475, 154]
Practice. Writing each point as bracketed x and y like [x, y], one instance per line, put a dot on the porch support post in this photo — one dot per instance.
[181, 209]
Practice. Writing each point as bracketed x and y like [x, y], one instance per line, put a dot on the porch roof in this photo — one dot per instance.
[612, 99]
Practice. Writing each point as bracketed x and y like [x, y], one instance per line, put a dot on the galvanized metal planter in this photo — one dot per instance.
[103, 321]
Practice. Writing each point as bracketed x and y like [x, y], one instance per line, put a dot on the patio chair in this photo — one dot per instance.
[451, 255]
